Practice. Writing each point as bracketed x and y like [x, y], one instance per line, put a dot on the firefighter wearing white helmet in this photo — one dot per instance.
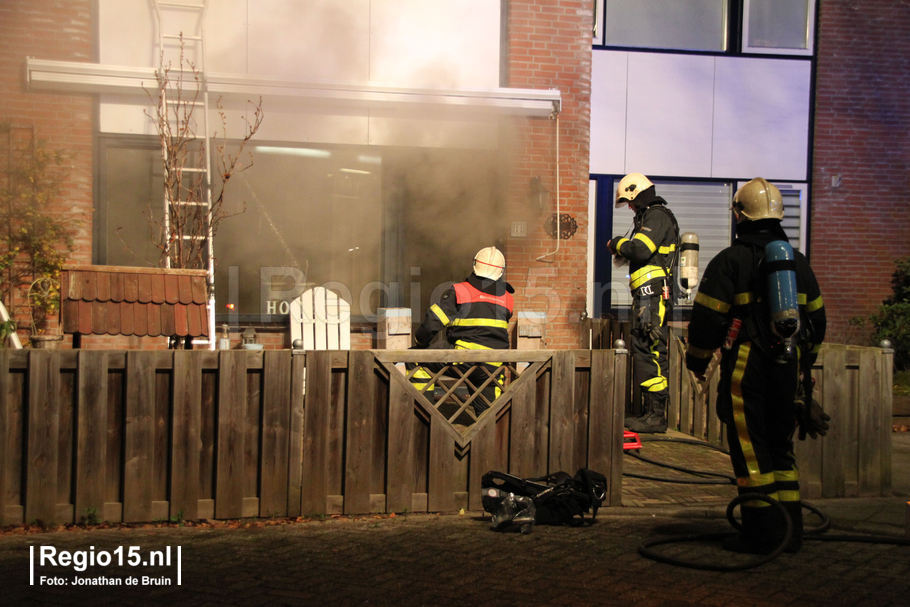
[651, 250]
[489, 263]
[761, 396]
[470, 315]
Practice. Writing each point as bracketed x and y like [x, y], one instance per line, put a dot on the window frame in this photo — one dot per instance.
[761, 50]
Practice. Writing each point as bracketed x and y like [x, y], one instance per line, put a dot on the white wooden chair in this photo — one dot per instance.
[320, 320]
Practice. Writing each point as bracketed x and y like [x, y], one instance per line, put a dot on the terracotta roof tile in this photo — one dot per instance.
[168, 325]
[180, 324]
[126, 318]
[185, 289]
[130, 287]
[69, 312]
[102, 286]
[171, 294]
[144, 289]
[116, 287]
[133, 301]
[140, 320]
[85, 317]
[157, 294]
[113, 318]
[87, 281]
[154, 315]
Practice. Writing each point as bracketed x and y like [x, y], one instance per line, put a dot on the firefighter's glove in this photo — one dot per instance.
[811, 418]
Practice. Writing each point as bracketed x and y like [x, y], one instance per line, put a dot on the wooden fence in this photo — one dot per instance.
[853, 385]
[152, 435]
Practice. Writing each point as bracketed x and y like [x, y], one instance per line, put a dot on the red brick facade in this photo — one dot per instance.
[862, 111]
[862, 138]
[549, 46]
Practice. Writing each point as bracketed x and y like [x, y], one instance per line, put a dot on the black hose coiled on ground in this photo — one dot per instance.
[809, 533]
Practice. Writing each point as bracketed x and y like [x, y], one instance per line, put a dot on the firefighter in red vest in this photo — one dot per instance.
[470, 315]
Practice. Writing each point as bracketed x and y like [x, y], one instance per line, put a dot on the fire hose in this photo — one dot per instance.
[817, 533]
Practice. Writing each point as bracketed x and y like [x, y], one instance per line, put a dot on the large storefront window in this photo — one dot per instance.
[381, 226]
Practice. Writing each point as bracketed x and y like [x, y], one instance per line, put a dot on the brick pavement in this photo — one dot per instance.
[457, 560]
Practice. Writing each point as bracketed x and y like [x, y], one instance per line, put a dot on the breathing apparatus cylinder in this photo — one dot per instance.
[688, 261]
[782, 294]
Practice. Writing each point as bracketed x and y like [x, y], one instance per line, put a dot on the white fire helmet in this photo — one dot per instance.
[630, 187]
[489, 263]
[759, 199]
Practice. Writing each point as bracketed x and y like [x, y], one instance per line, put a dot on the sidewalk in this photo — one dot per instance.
[458, 560]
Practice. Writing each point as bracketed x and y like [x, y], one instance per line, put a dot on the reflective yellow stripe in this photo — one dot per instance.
[655, 384]
[741, 299]
[440, 314]
[419, 379]
[788, 495]
[765, 479]
[658, 383]
[757, 481]
[739, 411]
[646, 241]
[461, 344]
[645, 274]
[711, 303]
[699, 352]
[666, 250]
[621, 242]
[791, 476]
[481, 322]
[815, 304]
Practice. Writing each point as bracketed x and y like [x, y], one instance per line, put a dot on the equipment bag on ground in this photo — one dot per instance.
[555, 499]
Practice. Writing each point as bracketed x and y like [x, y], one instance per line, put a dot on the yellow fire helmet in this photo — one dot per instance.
[759, 199]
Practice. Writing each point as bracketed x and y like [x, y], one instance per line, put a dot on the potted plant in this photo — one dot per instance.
[34, 240]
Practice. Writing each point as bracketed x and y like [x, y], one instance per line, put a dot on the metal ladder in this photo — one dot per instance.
[199, 160]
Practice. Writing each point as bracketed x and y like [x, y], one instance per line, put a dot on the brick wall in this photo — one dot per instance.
[549, 46]
[862, 136]
[53, 29]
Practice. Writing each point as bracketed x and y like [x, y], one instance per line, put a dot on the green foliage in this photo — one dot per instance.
[34, 240]
[892, 322]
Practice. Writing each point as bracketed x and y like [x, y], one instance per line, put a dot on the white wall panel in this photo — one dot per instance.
[608, 111]
[311, 41]
[761, 125]
[405, 43]
[669, 113]
[452, 44]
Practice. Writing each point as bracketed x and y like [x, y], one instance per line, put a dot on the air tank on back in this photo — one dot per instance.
[782, 295]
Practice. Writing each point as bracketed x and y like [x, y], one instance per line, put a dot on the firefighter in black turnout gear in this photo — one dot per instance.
[765, 385]
[470, 315]
[651, 250]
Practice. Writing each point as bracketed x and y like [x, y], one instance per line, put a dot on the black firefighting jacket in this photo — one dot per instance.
[651, 248]
[475, 315]
[733, 286]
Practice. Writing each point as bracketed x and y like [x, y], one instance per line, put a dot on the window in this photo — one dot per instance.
[382, 226]
[699, 207]
[598, 21]
[695, 25]
[783, 27]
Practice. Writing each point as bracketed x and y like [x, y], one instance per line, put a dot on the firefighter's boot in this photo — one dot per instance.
[763, 530]
[655, 419]
[795, 511]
